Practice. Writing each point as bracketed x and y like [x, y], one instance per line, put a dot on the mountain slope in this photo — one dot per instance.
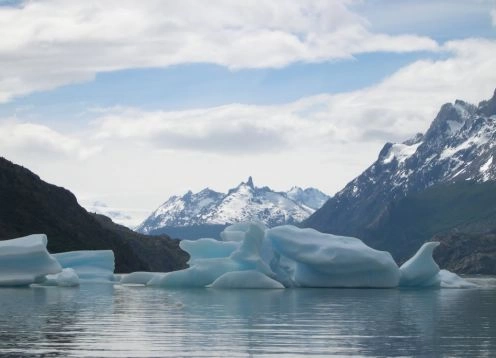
[208, 212]
[30, 205]
[458, 146]
[442, 210]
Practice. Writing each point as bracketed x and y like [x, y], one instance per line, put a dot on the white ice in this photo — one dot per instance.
[96, 266]
[137, 278]
[67, 278]
[207, 249]
[246, 279]
[25, 260]
[421, 269]
[452, 280]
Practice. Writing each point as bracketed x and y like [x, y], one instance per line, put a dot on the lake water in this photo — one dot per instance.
[98, 320]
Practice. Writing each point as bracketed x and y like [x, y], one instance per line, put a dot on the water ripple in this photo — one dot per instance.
[119, 321]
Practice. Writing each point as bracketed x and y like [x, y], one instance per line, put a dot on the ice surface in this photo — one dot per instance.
[67, 278]
[26, 260]
[451, 280]
[324, 260]
[95, 265]
[137, 278]
[245, 279]
[201, 274]
[207, 248]
[247, 239]
[421, 269]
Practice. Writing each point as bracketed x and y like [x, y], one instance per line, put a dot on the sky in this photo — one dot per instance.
[128, 102]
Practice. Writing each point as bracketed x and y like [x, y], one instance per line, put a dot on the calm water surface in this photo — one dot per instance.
[98, 320]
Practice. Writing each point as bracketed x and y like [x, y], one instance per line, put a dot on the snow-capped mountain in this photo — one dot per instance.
[242, 203]
[459, 145]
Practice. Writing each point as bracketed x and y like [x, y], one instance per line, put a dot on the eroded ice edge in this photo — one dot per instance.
[248, 255]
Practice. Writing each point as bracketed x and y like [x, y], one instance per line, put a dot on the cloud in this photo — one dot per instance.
[46, 44]
[323, 141]
[398, 107]
[493, 16]
[41, 142]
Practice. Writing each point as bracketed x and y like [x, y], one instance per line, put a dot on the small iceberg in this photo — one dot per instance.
[25, 260]
[67, 278]
[94, 266]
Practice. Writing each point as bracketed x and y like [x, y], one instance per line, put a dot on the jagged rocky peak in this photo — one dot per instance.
[417, 138]
[488, 108]
[459, 145]
[249, 182]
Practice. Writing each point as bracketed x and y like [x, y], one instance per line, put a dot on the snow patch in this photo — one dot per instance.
[400, 152]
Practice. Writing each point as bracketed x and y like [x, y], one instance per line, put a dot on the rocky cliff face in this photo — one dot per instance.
[30, 205]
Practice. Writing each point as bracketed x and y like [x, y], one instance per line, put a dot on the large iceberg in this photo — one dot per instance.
[252, 256]
[25, 260]
[95, 266]
[324, 260]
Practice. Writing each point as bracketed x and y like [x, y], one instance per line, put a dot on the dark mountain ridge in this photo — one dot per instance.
[28, 205]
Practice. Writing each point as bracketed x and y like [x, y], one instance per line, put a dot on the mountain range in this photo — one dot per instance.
[387, 205]
[207, 212]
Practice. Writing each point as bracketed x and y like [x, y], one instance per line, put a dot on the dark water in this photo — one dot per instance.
[123, 321]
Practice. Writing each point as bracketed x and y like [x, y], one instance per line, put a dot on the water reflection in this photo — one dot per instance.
[105, 320]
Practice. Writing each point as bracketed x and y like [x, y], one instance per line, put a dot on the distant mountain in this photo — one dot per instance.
[460, 145]
[207, 212]
[29, 205]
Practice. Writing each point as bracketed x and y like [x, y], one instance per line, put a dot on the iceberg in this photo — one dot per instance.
[239, 250]
[248, 256]
[325, 260]
[25, 260]
[95, 266]
[421, 270]
[251, 256]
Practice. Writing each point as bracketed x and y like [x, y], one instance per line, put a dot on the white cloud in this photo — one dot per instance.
[395, 109]
[41, 142]
[323, 141]
[46, 44]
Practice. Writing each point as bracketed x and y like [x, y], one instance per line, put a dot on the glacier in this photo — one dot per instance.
[25, 260]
